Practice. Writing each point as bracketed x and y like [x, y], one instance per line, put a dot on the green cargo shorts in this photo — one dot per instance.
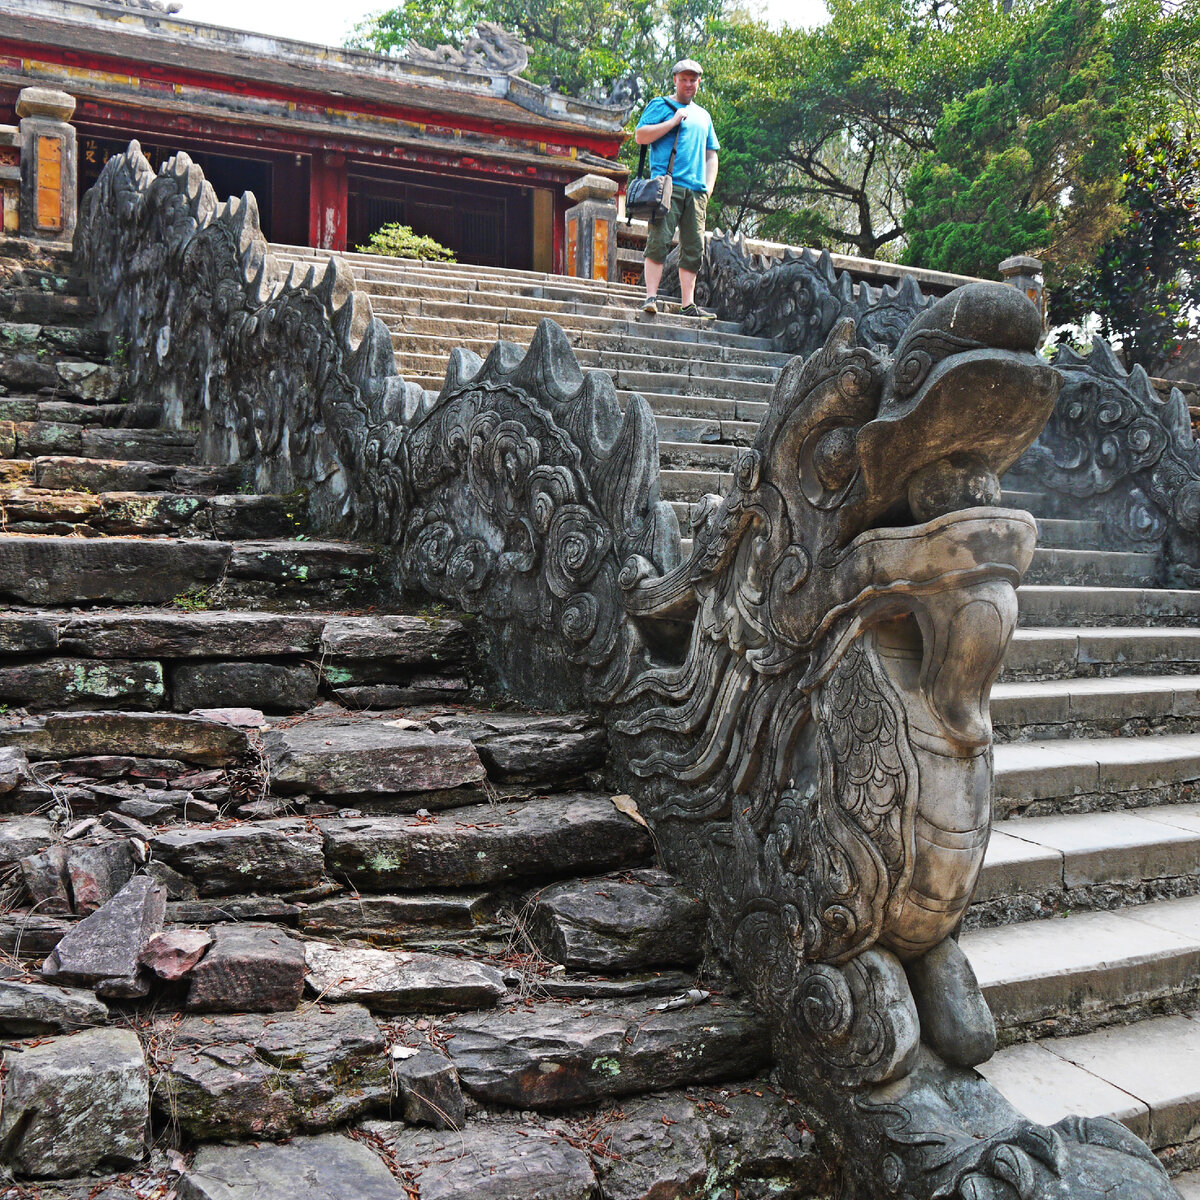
[688, 210]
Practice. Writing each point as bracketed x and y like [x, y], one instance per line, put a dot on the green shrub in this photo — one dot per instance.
[399, 241]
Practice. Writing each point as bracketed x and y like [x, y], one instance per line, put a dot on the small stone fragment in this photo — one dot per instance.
[23, 836]
[98, 873]
[171, 955]
[14, 766]
[394, 982]
[78, 1103]
[250, 968]
[33, 1008]
[329, 1167]
[46, 880]
[526, 748]
[102, 950]
[429, 1091]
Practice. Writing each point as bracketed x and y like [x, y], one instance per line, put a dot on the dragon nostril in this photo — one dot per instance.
[949, 485]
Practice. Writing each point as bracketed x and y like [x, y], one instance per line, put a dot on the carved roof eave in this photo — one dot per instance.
[171, 41]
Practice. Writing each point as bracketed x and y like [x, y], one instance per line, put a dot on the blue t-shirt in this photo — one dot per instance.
[696, 138]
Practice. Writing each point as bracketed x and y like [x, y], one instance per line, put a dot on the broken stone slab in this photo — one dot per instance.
[564, 835]
[419, 689]
[427, 1088]
[32, 934]
[102, 950]
[14, 767]
[327, 758]
[21, 836]
[67, 570]
[524, 748]
[555, 1056]
[267, 686]
[188, 910]
[264, 1076]
[45, 876]
[750, 1142]
[327, 1167]
[33, 1008]
[172, 955]
[619, 924]
[191, 635]
[389, 641]
[392, 981]
[499, 1160]
[83, 683]
[623, 987]
[249, 968]
[97, 873]
[280, 561]
[76, 1103]
[30, 633]
[275, 855]
[388, 920]
[138, 735]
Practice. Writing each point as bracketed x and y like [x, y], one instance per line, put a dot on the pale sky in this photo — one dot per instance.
[327, 24]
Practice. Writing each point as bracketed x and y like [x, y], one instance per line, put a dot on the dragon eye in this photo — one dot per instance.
[835, 458]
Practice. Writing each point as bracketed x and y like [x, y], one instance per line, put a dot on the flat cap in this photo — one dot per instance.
[687, 64]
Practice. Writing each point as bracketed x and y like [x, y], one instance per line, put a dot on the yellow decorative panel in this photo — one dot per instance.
[572, 246]
[49, 183]
[600, 251]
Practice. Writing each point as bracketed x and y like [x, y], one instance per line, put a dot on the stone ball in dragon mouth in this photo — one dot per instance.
[951, 484]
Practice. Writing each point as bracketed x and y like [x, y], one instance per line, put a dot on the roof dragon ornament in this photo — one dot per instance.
[801, 706]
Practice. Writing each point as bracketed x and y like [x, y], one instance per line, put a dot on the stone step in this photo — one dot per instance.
[1039, 867]
[37, 439]
[74, 474]
[1049, 605]
[1143, 1075]
[61, 309]
[1091, 969]
[1056, 533]
[1109, 706]
[1106, 568]
[1094, 774]
[93, 514]
[426, 335]
[26, 409]
[717, 408]
[1101, 652]
[41, 570]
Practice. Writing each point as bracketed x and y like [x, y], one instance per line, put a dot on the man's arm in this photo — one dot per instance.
[710, 170]
[645, 134]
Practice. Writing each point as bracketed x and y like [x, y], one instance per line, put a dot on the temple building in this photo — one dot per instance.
[333, 143]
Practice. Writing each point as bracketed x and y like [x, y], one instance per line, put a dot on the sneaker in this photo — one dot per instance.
[649, 307]
[694, 310]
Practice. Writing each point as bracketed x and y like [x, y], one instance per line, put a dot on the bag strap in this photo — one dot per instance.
[674, 147]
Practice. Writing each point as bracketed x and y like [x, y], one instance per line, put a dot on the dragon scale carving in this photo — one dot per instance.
[800, 705]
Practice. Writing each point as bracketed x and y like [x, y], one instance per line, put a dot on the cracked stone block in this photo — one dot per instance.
[79, 1103]
[428, 1090]
[33, 1008]
[250, 968]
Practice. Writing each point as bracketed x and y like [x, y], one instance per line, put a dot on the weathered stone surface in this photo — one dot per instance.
[188, 910]
[14, 767]
[252, 1076]
[417, 689]
[21, 836]
[327, 1167]
[45, 877]
[616, 924]
[192, 635]
[29, 633]
[303, 564]
[32, 933]
[746, 1142]
[102, 950]
[428, 1090]
[97, 873]
[391, 981]
[65, 570]
[30, 1008]
[171, 955]
[389, 919]
[141, 735]
[250, 968]
[496, 1161]
[388, 641]
[523, 748]
[79, 683]
[565, 835]
[266, 686]
[328, 759]
[555, 1056]
[279, 855]
[75, 1103]
[91, 381]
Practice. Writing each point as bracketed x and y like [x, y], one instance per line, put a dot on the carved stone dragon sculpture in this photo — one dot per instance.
[801, 705]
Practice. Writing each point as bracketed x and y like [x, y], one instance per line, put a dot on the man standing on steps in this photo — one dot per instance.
[692, 177]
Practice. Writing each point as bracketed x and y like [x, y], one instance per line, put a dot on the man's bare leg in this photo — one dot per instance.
[687, 286]
[653, 272]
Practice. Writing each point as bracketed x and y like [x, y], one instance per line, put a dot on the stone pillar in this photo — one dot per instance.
[592, 228]
[49, 162]
[1025, 273]
[329, 201]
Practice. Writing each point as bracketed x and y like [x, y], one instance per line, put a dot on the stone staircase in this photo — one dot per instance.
[473, 930]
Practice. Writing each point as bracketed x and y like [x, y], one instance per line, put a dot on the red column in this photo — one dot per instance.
[328, 192]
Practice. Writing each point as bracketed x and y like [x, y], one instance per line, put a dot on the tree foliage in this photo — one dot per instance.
[1145, 284]
[399, 241]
